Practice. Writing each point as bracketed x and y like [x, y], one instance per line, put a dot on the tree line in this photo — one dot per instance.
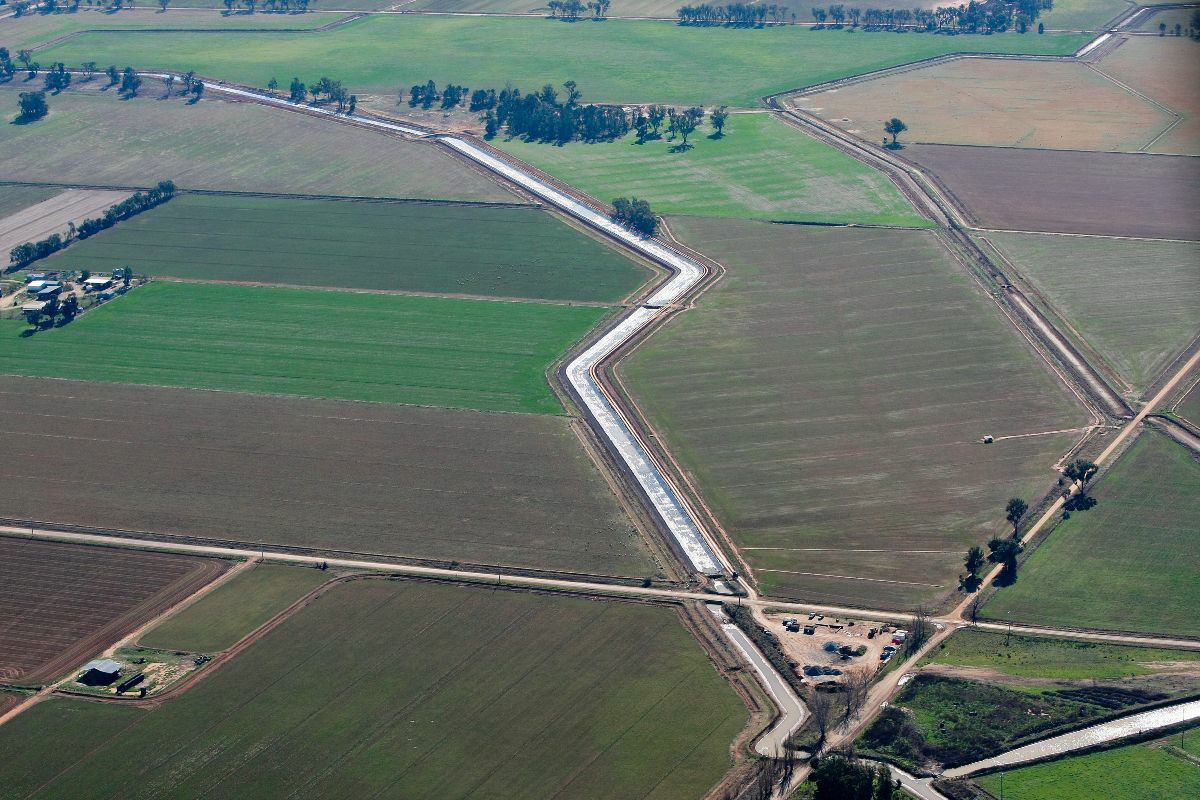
[571, 9]
[989, 16]
[25, 254]
[333, 92]
[736, 15]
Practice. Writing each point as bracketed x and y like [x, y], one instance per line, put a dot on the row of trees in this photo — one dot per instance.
[572, 9]
[738, 15]
[276, 6]
[25, 254]
[544, 116]
[989, 16]
[333, 92]
[1005, 550]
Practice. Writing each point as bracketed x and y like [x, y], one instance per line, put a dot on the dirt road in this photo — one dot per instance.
[51, 216]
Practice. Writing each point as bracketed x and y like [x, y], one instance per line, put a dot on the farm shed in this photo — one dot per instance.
[100, 672]
[97, 282]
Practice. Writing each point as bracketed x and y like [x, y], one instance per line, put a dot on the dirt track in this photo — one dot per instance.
[52, 216]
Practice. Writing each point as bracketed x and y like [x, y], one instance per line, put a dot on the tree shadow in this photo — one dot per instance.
[715, 135]
[1006, 577]
[21, 119]
[682, 147]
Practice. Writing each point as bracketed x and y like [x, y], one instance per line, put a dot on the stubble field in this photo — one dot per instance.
[403, 689]
[62, 603]
[762, 169]
[997, 102]
[434, 351]
[1137, 302]
[1167, 69]
[617, 61]
[1117, 194]
[93, 137]
[436, 248]
[15, 198]
[1138, 543]
[828, 397]
[505, 489]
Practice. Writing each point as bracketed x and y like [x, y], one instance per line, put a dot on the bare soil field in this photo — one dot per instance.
[36, 222]
[62, 603]
[92, 137]
[1168, 70]
[14, 198]
[424, 483]
[828, 396]
[1189, 407]
[997, 102]
[1134, 302]
[1117, 194]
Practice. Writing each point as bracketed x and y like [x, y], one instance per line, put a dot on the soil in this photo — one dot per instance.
[808, 649]
[1068, 191]
[38, 221]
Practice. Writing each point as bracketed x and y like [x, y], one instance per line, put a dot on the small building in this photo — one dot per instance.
[39, 306]
[97, 282]
[35, 276]
[48, 291]
[36, 286]
[100, 672]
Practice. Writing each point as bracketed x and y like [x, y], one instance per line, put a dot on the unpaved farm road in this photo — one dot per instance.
[42, 219]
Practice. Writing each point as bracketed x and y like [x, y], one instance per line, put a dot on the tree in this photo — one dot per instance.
[1162, 29]
[272, 84]
[197, 90]
[163, 4]
[1041, 27]
[856, 682]
[169, 82]
[228, 5]
[975, 560]
[885, 787]
[635, 214]
[89, 70]
[1005, 551]
[298, 91]
[1014, 512]
[57, 78]
[33, 106]
[685, 123]
[114, 77]
[189, 79]
[839, 778]
[656, 115]
[130, 82]
[894, 127]
[919, 629]
[353, 104]
[821, 705]
[490, 125]
[718, 117]
[1081, 470]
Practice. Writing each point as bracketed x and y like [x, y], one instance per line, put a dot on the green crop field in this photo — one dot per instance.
[1023, 656]
[1087, 15]
[93, 137]
[15, 198]
[620, 60]
[233, 610]
[404, 689]
[828, 397]
[1134, 772]
[433, 351]
[37, 29]
[762, 168]
[510, 252]
[1138, 543]
[1136, 302]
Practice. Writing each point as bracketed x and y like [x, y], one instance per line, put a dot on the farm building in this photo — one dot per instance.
[38, 306]
[100, 672]
[97, 282]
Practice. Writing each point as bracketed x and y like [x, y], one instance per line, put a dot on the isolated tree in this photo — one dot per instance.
[919, 629]
[169, 82]
[1005, 551]
[823, 708]
[189, 78]
[272, 84]
[1081, 470]
[197, 90]
[130, 82]
[163, 4]
[1162, 29]
[894, 127]
[114, 77]
[975, 560]
[89, 70]
[33, 106]
[1041, 27]
[298, 91]
[353, 104]
[718, 117]
[1014, 512]
[856, 681]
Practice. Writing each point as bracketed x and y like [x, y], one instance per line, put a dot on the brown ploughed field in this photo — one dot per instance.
[60, 604]
[380, 479]
[1117, 194]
